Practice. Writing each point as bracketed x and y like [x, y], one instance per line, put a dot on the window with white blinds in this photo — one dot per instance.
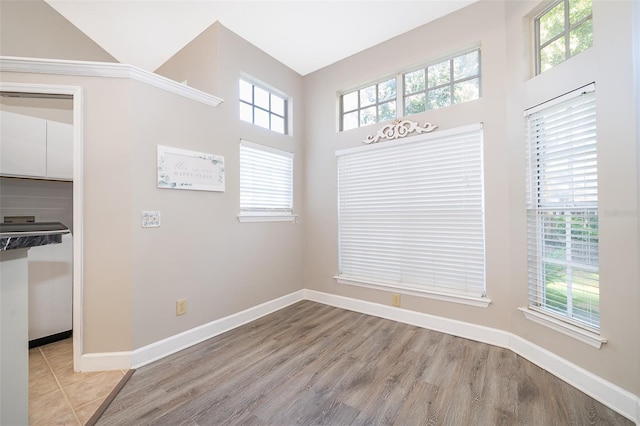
[411, 214]
[562, 211]
[266, 183]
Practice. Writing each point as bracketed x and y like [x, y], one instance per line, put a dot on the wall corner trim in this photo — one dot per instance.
[611, 395]
[104, 69]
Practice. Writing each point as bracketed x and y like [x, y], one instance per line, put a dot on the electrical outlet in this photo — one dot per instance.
[181, 307]
[395, 299]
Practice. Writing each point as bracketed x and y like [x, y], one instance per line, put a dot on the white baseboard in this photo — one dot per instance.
[188, 338]
[105, 361]
[162, 348]
[614, 397]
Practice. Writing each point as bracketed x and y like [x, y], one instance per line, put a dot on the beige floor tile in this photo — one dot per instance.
[67, 420]
[37, 365]
[49, 407]
[93, 388]
[58, 361]
[85, 412]
[50, 367]
[62, 367]
[61, 347]
[42, 384]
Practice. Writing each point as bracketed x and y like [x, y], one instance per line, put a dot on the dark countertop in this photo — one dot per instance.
[24, 235]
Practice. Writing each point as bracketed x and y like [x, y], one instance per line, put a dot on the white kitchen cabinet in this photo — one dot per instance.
[59, 150]
[23, 145]
[35, 147]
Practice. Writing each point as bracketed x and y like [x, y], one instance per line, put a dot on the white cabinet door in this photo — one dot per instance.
[50, 288]
[59, 150]
[23, 145]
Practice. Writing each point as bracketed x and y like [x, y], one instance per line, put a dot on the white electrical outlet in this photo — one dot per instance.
[150, 219]
[181, 307]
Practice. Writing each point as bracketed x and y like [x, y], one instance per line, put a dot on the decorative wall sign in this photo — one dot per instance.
[183, 169]
[399, 129]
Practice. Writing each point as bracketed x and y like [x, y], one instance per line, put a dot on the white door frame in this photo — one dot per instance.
[76, 93]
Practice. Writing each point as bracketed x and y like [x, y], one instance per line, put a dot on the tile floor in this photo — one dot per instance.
[60, 396]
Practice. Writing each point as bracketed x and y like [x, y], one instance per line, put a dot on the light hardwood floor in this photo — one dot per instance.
[314, 364]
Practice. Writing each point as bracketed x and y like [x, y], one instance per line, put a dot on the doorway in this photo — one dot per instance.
[74, 94]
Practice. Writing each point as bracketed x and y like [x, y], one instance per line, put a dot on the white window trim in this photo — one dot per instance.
[561, 326]
[472, 299]
[545, 317]
[267, 216]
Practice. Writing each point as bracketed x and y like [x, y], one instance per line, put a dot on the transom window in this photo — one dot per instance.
[563, 30]
[369, 105]
[262, 107]
[452, 81]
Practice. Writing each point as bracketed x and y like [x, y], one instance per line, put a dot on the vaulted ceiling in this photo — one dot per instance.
[304, 35]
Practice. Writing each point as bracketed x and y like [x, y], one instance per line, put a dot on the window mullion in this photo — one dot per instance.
[567, 38]
[400, 96]
[451, 85]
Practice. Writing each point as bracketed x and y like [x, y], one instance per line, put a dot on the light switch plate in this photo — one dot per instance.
[150, 219]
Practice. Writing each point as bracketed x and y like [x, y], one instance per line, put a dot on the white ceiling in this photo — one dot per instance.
[304, 35]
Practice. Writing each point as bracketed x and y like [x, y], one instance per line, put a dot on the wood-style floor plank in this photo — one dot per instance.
[312, 364]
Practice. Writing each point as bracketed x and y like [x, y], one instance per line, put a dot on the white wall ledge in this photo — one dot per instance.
[267, 218]
[585, 336]
[104, 69]
[464, 299]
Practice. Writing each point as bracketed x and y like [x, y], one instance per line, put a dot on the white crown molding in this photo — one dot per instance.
[611, 395]
[104, 69]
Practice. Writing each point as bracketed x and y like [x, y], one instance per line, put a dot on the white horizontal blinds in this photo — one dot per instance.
[563, 209]
[411, 215]
[266, 179]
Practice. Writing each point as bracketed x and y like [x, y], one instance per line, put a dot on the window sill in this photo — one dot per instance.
[267, 218]
[464, 299]
[585, 336]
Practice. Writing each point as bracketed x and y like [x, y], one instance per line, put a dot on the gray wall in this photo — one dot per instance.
[34, 29]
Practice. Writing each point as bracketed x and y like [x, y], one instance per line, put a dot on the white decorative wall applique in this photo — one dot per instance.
[399, 129]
